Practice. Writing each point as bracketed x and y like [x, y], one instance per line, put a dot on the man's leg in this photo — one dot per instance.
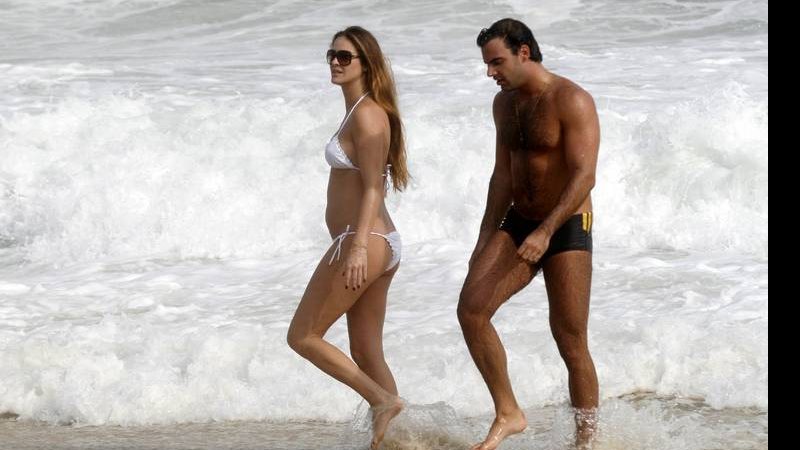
[497, 274]
[568, 278]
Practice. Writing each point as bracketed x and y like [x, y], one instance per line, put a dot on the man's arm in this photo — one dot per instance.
[499, 197]
[581, 131]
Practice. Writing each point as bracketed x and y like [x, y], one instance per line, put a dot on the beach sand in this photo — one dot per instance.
[633, 422]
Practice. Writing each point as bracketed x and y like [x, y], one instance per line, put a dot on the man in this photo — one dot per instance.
[538, 216]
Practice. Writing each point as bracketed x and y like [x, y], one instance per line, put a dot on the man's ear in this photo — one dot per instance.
[525, 51]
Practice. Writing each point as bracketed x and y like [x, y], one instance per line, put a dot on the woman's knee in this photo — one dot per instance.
[299, 340]
[366, 354]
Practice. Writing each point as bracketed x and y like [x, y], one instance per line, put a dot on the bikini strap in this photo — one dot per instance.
[347, 116]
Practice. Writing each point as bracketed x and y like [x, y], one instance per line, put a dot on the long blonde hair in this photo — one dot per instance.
[380, 83]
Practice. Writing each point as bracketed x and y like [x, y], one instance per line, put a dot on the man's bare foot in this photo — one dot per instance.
[585, 428]
[381, 415]
[503, 427]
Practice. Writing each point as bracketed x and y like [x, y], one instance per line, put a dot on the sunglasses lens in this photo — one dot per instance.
[343, 56]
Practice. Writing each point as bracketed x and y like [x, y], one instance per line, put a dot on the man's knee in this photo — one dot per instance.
[472, 309]
[573, 346]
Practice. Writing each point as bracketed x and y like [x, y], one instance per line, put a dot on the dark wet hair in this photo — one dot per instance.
[514, 33]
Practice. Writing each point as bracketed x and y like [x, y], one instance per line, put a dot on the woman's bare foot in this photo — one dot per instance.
[503, 427]
[381, 416]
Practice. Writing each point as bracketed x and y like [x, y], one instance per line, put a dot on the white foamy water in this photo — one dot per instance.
[162, 194]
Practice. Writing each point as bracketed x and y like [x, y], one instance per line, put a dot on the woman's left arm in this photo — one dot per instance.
[370, 136]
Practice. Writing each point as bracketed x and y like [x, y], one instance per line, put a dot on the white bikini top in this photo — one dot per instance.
[334, 153]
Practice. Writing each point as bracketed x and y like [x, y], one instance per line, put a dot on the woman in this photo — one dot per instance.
[354, 275]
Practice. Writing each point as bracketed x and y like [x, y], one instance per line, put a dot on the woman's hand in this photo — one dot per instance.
[355, 267]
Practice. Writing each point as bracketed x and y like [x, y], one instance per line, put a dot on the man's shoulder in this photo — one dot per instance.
[501, 103]
[501, 98]
[569, 96]
[563, 87]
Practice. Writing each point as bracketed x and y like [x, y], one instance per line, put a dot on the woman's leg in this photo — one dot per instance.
[324, 301]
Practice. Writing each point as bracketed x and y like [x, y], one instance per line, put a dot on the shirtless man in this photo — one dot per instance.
[538, 216]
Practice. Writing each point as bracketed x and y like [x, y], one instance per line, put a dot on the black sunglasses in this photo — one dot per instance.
[343, 56]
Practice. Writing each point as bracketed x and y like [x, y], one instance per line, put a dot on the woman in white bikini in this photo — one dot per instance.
[366, 154]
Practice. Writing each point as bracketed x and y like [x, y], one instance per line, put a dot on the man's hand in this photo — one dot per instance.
[534, 246]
